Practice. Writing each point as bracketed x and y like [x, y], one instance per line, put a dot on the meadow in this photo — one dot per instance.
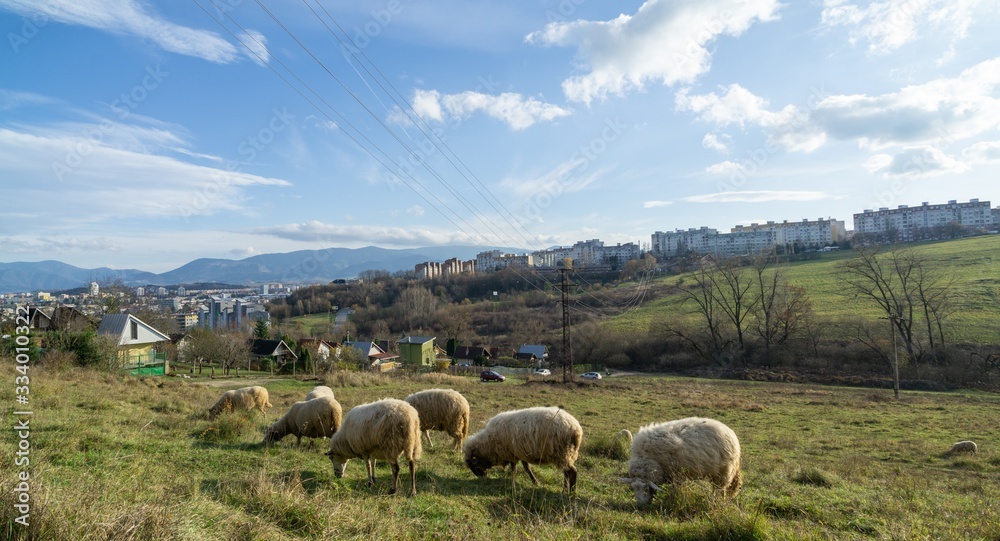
[123, 458]
[972, 264]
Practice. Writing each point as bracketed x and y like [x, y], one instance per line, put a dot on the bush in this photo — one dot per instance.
[229, 428]
[58, 360]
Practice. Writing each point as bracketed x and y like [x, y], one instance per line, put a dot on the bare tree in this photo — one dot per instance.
[701, 295]
[733, 291]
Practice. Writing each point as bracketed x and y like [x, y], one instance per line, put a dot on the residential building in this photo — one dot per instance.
[276, 350]
[495, 260]
[813, 234]
[907, 224]
[676, 242]
[228, 313]
[138, 343]
[417, 350]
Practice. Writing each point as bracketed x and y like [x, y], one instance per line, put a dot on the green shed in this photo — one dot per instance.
[417, 350]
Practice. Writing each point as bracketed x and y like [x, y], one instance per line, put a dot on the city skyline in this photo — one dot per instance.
[146, 135]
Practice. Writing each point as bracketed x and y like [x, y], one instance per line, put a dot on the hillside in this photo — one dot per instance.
[973, 264]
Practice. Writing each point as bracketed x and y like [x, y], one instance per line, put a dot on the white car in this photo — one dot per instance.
[543, 372]
[591, 375]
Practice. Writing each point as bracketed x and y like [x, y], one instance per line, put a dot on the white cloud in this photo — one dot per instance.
[656, 204]
[78, 173]
[13, 245]
[720, 143]
[316, 231]
[665, 41]
[513, 109]
[916, 162]
[888, 25]
[12, 99]
[762, 196]
[129, 17]
[736, 105]
[982, 152]
[415, 210]
[724, 168]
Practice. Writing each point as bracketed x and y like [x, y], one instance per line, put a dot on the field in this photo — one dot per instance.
[973, 264]
[115, 458]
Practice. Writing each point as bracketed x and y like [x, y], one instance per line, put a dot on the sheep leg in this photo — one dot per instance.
[413, 478]
[513, 472]
[395, 477]
[371, 472]
[298, 443]
[427, 434]
[530, 474]
[569, 479]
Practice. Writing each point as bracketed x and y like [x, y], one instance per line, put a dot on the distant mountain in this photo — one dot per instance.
[292, 267]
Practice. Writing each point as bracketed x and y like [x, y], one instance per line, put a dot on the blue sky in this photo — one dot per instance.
[147, 134]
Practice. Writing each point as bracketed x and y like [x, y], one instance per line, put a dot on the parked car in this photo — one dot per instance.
[591, 375]
[489, 375]
[543, 372]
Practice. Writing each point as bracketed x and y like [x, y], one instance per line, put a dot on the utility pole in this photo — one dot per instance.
[567, 361]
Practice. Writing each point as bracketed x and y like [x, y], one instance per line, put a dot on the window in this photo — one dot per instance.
[134, 328]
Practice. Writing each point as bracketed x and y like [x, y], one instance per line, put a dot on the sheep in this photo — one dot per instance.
[378, 430]
[318, 391]
[533, 435]
[316, 418]
[247, 398]
[964, 447]
[675, 451]
[442, 409]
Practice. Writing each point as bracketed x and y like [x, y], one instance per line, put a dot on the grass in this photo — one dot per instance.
[973, 264]
[123, 459]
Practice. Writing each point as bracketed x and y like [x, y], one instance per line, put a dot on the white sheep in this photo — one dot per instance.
[380, 430]
[318, 391]
[533, 435]
[316, 418]
[442, 409]
[675, 451]
[964, 447]
[247, 398]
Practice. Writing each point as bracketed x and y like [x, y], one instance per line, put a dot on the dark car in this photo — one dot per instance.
[489, 375]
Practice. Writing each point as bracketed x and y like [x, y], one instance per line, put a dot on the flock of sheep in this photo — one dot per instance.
[662, 453]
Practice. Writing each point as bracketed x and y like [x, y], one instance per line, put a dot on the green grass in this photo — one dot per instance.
[973, 263]
[119, 458]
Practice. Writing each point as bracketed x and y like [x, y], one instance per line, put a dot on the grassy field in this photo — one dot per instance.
[973, 264]
[119, 459]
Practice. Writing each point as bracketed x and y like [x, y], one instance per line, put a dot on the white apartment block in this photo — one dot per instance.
[433, 269]
[907, 222]
[496, 260]
[814, 234]
[588, 253]
[668, 243]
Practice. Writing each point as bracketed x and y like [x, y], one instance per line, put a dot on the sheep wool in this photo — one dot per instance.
[530, 436]
[316, 418]
[675, 451]
[245, 399]
[380, 430]
[442, 409]
[318, 391]
[964, 447]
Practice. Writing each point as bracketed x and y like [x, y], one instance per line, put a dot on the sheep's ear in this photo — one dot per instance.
[653, 486]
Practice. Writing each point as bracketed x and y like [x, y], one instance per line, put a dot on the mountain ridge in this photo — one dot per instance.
[309, 266]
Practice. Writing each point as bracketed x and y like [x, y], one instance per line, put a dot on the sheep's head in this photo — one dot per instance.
[477, 464]
[272, 435]
[339, 463]
[643, 489]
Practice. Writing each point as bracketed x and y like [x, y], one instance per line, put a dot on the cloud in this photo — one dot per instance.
[916, 162]
[763, 196]
[129, 17]
[888, 25]
[665, 41]
[316, 231]
[561, 179]
[933, 113]
[415, 210]
[12, 99]
[983, 152]
[724, 168]
[60, 244]
[75, 173]
[513, 109]
[720, 143]
[656, 204]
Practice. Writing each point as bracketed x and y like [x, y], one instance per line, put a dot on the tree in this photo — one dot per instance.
[261, 330]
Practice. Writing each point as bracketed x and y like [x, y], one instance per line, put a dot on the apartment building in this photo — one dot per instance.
[912, 223]
[814, 234]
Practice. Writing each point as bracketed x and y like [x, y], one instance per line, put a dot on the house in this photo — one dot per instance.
[139, 344]
[378, 358]
[319, 348]
[472, 354]
[532, 353]
[276, 350]
[417, 350]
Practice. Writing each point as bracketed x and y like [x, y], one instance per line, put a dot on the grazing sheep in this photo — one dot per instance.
[675, 451]
[316, 418]
[442, 409]
[247, 398]
[378, 430]
[532, 435]
[318, 391]
[964, 447]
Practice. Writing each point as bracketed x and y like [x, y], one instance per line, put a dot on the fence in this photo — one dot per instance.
[146, 365]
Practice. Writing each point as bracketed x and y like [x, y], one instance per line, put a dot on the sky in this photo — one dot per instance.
[146, 134]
